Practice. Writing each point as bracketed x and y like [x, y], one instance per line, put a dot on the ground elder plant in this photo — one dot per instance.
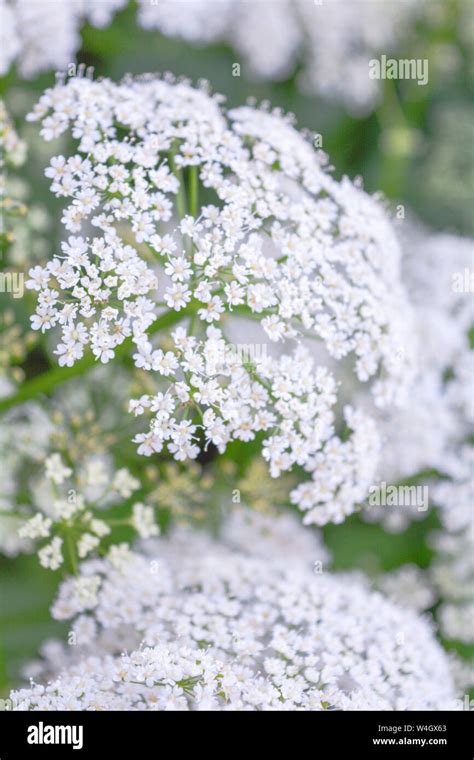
[236, 407]
[182, 213]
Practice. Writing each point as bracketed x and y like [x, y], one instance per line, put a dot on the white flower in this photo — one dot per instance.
[177, 296]
[99, 527]
[38, 527]
[119, 557]
[143, 520]
[56, 471]
[149, 444]
[85, 590]
[51, 556]
[124, 483]
[86, 544]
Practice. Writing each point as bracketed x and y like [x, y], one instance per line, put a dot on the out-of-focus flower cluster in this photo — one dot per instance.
[453, 567]
[220, 629]
[44, 35]
[428, 435]
[429, 444]
[60, 480]
[331, 42]
[334, 39]
[12, 154]
[20, 230]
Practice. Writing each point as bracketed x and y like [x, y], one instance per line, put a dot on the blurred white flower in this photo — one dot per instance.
[272, 535]
[40, 35]
[410, 586]
[429, 432]
[452, 569]
[333, 40]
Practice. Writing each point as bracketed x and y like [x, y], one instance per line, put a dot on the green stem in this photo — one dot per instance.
[69, 540]
[180, 196]
[394, 126]
[45, 382]
[193, 191]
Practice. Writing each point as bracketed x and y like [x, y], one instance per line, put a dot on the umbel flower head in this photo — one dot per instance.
[212, 628]
[60, 472]
[179, 211]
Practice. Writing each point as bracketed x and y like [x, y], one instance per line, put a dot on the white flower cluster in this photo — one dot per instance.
[277, 534]
[18, 436]
[290, 395]
[341, 474]
[441, 412]
[222, 630]
[12, 148]
[164, 677]
[279, 240]
[40, 35]
[68, 511]
[12, 154]
[429, 432]
[334, 39]
[431, 435]
[59, 477]
[410, 586]
[453, 567]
